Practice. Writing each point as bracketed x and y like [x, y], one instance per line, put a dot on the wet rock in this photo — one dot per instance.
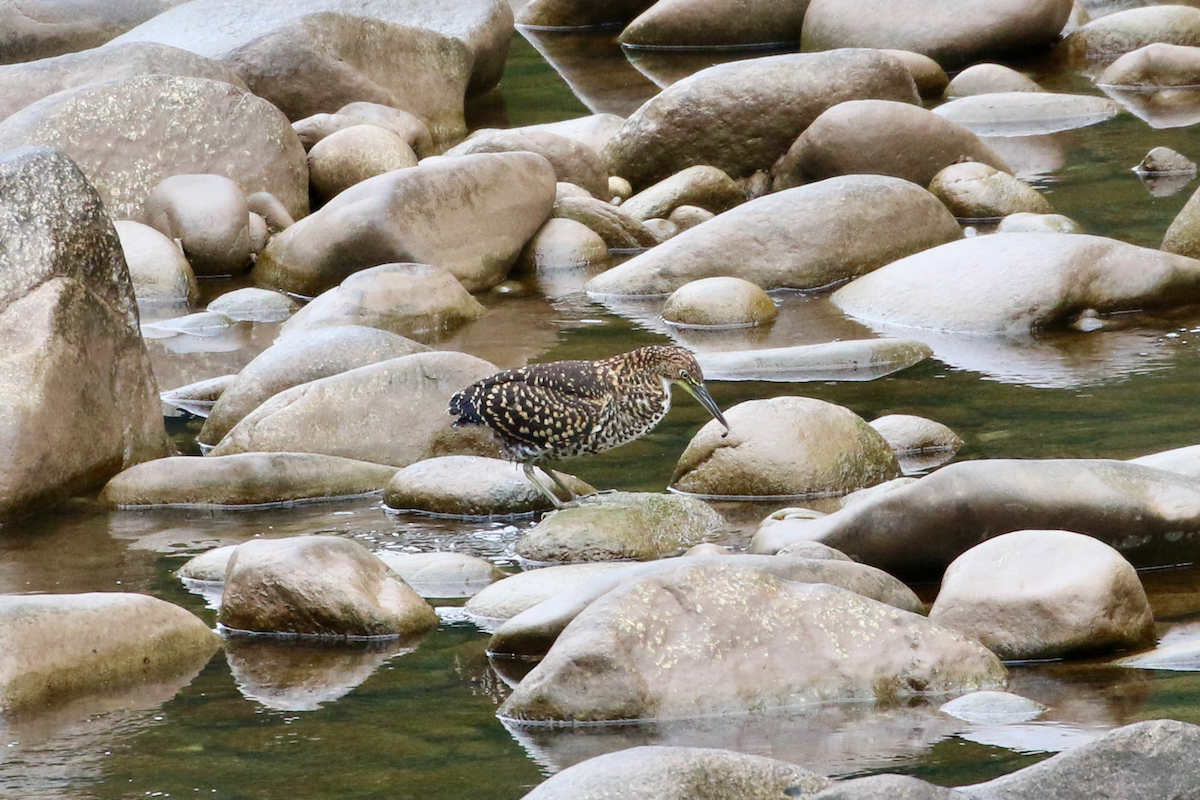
[576, 14]
[621, 525]
[573, 161]
[785, 446]
[927, 74]
[243, 479]
[74, 358]
[516, 593]
[407, 299]
[202, 324]
[442, 574]
[562, 244]
[1182, 460]
[1027, 113]
[1105, 39]
[713, 24]
[473, 486]
[322, 585]
[715, 620]
[1182, 656]
[46, 28]
[1023, 222]
[1045, 594]
[678, 773]
[470, 216]
[1165, 161]
[192, 124]
[299, 359]
[886, 787]
[62, 646]
[706, 187]
[741, 116]
[254, 305]
[157, 267]
[950, 32]
[351, 155]
[392, 412]
[879, 137]
[208, 566]
[618, 228]
[989, 79]
[1152, 760]
[689, 216]
[325, 52]
[719, 302]
[409, 127]
[973, 191]
[860, 359]
[802, 238]
[1155, 65]
[26, 83]
[1019, 282]
[208, 216]
[993, 707]
[531, 632]
[906, 433]
[1151, 516]
[199, 397]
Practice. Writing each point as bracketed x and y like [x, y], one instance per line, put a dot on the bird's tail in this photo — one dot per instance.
[463, 405]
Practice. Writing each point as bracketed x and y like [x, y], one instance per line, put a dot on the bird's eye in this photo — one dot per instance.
[683, 374]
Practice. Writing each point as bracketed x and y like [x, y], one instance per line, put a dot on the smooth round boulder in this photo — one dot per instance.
[719, 303]
[784, 446]
[906, 433]
[318, 585]
[619, 188]
[408, 127]
[392, 412]
[157, 267]
[1183, 234]
[617, 228]
[442, 574]
[1165, 161]
[567, 14]
[1023, 222]
[686, 216]
[245, 479]
[1184, 460]
[639, 526]
[353, 154]
[886, 786]
[508, 597]
[739, 639]
[712, 24]
[951, 32]
[803, 238]
[209, 566]
[977, 191]
[407, 299]
[254, 305]
[573, 161]
[1105, 39]
[297, 359]
[1045, 594]
[741, 116]
[208, 216]
[1156, 64]
[927, 74]
[703, 186]
[987, 79]
[879, 137]
[814, 550]
[561, 244]
[474, 486]
[993, 707]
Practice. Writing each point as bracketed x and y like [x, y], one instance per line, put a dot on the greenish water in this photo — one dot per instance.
[419, 722]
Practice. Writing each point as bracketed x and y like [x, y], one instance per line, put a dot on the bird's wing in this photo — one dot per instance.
[542, 413]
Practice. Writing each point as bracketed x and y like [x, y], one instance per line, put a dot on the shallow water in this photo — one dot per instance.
[416, 719]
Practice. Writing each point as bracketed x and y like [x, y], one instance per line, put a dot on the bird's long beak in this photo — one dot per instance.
[700, 392]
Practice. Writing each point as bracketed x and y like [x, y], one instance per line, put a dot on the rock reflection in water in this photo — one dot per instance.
[594, 67]
[1030, 157]
[302, 674]
[1161, 106]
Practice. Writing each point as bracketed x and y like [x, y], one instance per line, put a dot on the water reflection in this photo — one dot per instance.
[1031, 158]
[1159, 107]
[593, 65]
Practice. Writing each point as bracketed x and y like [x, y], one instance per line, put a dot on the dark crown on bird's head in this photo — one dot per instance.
[667, 362]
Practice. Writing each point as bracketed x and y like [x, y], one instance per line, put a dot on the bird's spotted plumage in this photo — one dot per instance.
[571, 408]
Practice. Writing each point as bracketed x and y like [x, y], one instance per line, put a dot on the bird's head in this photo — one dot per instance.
[677, 365]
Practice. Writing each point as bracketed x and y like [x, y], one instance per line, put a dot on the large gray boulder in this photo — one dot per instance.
[696, 24]
[785, 446]
[716, 638]
[299, 359]
[391, 412]
[802, 238]
[741, 116]
[1019, 282]
[230, 30]
[1151, 516]
[40, 29]
[879, 137]
[1105, 39]
[469, 215]
[951, 32]
[28, 82]
[1045, 594]
[1155, 65]
[59, 647]
[128, 135]
[74, 359]
[506, 598]
[678, 773]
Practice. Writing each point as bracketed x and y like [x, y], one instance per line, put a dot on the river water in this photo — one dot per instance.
[416, 719]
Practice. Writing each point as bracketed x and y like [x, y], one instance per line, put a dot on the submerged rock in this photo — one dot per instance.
[1045, 594]
[318, 585]
[714, 638]
[987, 79]
[719, 302]
[993, 707]
[784, 446]
[1165, 161]
[856, 359]
[1150, 516]
[906, 433]
[254, 305]
[620, 525]
[442, 574]
[473, 486]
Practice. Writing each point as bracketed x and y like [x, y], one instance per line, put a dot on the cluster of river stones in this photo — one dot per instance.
[158, 141]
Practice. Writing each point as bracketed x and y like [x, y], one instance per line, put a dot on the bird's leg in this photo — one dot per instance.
[528, 467]
[554, 476]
